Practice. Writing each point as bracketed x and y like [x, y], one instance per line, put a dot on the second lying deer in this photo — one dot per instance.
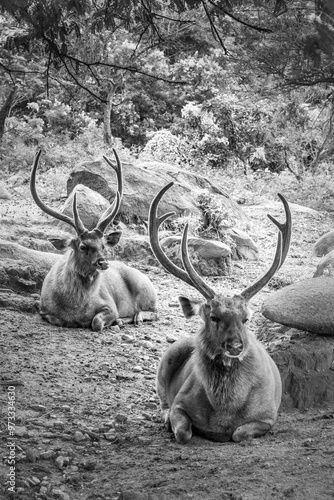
[222, 383]
[83, 288]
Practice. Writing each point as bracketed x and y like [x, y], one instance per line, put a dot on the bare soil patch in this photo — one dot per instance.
[87, 417]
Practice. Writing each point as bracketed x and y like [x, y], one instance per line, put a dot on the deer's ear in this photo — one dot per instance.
[190, 307]
[113, 238]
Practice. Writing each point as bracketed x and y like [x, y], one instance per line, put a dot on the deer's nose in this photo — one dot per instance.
[102, 264]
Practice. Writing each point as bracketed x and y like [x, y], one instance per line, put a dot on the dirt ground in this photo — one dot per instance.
[87, 417]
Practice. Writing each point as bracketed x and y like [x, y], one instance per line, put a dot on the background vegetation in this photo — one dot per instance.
[241, 89]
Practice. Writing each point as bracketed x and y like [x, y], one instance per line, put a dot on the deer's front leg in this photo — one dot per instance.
[181, 425]
[250, 430]
[104, 318]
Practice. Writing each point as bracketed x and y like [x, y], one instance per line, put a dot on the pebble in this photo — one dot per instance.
[20, 431]
[46, 455]
[62, 461]
[171, 339]
[61, 494]
[111, 435]
[137, 369]
[37, 407]
[31, 455]
[35, 480]
[78, 436]
[59, 424]
[127, 338]
[121, 418]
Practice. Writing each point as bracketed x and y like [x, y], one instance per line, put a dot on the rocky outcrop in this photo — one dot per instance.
[305, 362]
[143, 182]
[91, 205]
[324, 245]
[209, 257]
[245, 247]
[23, 269]
[306, 305]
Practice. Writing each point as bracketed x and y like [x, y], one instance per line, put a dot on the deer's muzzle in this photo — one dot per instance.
[102, 264]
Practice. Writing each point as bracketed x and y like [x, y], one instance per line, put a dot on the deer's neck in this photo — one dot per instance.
[77, 274]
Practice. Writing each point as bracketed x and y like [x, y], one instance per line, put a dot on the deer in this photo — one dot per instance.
[84, 289]
[220, 384]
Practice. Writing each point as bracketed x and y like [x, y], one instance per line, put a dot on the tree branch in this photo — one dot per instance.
[238, 20]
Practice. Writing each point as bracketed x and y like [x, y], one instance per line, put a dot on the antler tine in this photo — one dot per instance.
[154, 224]
[79, 226]
[103, 223]
[113, 209]
[39, 202]
[282, 248]
[198, 282]
[118, 170]
[285, 228]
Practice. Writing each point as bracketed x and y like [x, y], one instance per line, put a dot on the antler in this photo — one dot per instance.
[41, 204]
[76, 222]
[282, 248]
[112, 211]
[190, 277]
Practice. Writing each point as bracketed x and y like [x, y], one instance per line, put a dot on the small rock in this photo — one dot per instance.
[20, 431]
[31, 455]
[59, 424]
[37, 407]
[170, 339]
[111, 435]
[78, 436]
[121, 418]
[35, 480]
[61, 494]
[46, 455]
[137, 369]
[62, 461]
[127, 338]
[66, 408]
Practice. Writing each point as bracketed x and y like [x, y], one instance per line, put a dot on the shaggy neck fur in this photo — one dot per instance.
[219, 370]
[77, 277]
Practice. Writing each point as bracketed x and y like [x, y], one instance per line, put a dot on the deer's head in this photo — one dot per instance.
[89, 247]
[224, 316]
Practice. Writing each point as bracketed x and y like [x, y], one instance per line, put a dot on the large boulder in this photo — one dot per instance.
[209, 257]
[143, 182]
[244, 246]
[325, 266]
[305, 363]
[23, 269]
[324, 244]
[91, 206]
[306, 305]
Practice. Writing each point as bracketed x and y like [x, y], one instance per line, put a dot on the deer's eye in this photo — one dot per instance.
[83, 247]
[214, 318]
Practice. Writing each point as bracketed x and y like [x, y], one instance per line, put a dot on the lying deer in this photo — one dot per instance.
[84, 289]
[221, 383]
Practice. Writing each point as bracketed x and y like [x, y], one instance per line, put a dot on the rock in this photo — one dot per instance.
[91, 206]
[110, 435]
[23, 269]
[15, 302]
[305, 362]
[324, 245]
[13, 251]
[325, 265]
[209, 257]
[62, 461]
[4, 194]
[245, 247]
[143, 181]
[306, 305]
[78, 436]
